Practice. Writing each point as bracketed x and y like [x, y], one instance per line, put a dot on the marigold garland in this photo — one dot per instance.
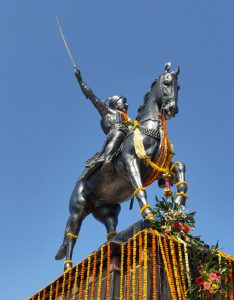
[63, 285]
[69, 284]
[176, 271]
[57, 290]
[80, 295]
[121, 273]
[39, 295]
[182, 268]
[100, 275]
[138, 190]
[127, 296]
[108, 272]
[87, 279]
[44, 294]
[75, 283]
[93, 276]
[154, 265]
[51, 291]
[165, 262]
[145, 268]
[165, 155]
[230, 278]
[169, 267]
[186, 263]
[140, 243]
[134, 268]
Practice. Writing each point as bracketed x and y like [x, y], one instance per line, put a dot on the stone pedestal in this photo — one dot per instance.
[131, 266]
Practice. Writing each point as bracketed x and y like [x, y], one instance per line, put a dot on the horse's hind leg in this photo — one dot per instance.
[78, 211]
[108, 215]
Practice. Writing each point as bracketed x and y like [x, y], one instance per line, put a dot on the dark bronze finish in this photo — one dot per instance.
[113, 174]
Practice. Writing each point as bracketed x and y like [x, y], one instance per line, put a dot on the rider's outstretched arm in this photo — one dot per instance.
[101, 107]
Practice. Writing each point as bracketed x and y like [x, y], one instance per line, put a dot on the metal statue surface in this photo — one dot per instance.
[134, 155]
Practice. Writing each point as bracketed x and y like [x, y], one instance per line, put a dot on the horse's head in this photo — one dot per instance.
[166, 92]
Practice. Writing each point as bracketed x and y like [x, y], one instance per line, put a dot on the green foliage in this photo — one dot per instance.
[209, 270]
[172, 218]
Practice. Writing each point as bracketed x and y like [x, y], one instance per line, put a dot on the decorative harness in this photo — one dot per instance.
[161, 166]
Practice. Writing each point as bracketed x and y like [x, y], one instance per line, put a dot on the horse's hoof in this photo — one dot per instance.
[67, 266]
[61, 253]
[107, 167]
[111, 235]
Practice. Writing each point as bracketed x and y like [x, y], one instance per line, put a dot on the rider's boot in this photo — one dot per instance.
[110, 150]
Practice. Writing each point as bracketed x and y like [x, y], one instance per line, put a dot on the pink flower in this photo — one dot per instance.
[199, 281]
[213, 276]
[206, 285]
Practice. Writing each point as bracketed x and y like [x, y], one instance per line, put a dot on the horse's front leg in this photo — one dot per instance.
[178, 177]
[139, 190]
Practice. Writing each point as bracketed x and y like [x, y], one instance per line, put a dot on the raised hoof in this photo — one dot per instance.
[107, 167]
[61, 253]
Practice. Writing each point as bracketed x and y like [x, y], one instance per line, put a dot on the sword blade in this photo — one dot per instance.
[65, 44]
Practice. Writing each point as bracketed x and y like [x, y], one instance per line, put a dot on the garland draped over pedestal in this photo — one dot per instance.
[134, 276]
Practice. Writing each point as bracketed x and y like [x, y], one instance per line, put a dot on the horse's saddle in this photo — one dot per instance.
[97, 161]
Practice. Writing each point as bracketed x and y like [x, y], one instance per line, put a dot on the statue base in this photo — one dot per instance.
[138, 263]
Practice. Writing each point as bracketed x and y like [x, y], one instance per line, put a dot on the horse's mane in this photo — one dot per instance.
[146, 97]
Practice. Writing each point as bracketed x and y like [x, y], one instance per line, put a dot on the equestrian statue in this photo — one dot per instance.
[135, 154]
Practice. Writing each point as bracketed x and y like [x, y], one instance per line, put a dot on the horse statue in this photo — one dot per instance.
[146, 156]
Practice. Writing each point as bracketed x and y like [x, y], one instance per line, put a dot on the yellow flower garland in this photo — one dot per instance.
[87, 279]
[51, 291]
[138, 190]
[230, 278]
[127, 296]
[75, 283]
[93, 275]
[165, 262]
[39, 295]
[186, 263]
[169, 267]
[176, 271]
[134, 269]
[182, 267]
[100, 275]
[108, 272]
[63, 285]
[145, 268]
[121, 273]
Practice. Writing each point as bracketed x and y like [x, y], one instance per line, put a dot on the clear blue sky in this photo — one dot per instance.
[48, 129]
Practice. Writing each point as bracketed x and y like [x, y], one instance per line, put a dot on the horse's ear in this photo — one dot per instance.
[177, 72]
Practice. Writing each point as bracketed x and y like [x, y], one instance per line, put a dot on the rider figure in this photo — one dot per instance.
[114, 120]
